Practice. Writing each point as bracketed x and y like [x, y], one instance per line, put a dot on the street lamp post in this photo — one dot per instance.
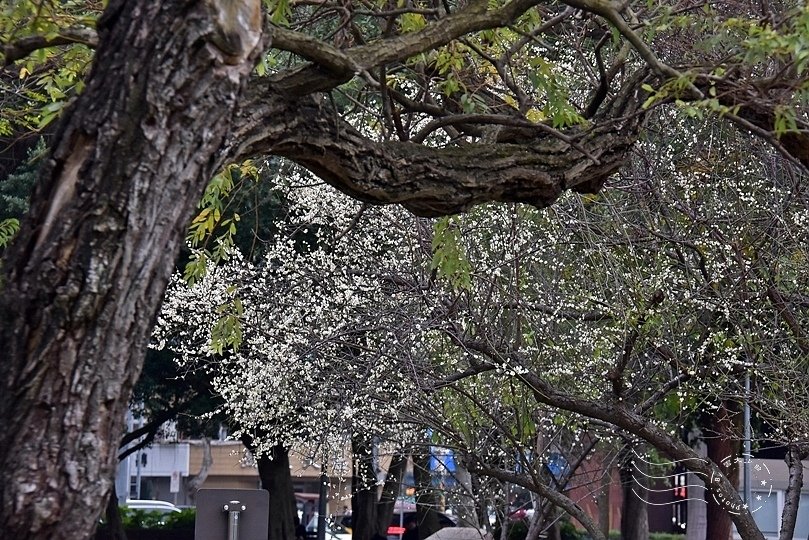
[321, 510]
[747, 484]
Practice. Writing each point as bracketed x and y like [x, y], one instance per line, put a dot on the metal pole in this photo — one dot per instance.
[321, 507]
[137, 475]
[234, 508]
[747, 483]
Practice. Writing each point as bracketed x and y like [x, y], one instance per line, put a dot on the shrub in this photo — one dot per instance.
[182, 520]
[517, 530]
[567, 531]
[143, 519]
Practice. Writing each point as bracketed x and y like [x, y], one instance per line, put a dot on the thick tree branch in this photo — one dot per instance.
[437, 181]
[339, 67]
[148, 431]
[617, 414]
[21, 48]
[557, 498]
[501, 120]
[561, 313]
[756, 111]
[327, 57]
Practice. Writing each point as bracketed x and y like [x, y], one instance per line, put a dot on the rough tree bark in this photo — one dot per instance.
[364, 517]
[722, 440]
[789, 516]
[86, 275]
[534, 166]
[697, 492]
[276, 478]
[195, 483]
[634, 517]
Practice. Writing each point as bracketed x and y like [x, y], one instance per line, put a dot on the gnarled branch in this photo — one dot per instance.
[438, 181]
[21, 48]
[341, 67]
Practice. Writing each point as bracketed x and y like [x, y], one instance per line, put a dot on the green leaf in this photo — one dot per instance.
[8, 230]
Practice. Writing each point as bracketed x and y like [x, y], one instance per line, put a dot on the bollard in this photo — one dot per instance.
[223, 513]
[234, 508]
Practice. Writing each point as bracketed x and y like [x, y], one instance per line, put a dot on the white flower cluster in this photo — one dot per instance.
[667, 275]
[329, 326]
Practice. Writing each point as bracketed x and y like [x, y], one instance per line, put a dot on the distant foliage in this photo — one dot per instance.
[134, 518]
[15, 190]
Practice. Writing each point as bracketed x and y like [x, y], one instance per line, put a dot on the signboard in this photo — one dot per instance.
[175, 482]
[215, 509]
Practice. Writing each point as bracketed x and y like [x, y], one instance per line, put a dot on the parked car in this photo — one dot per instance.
[398, 523]
[161, 507]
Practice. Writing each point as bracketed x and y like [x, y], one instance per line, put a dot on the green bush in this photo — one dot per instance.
[182, 520]
[143, 519]
[567, 531]
[517, 530]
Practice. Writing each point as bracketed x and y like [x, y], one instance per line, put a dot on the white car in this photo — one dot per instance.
[161, 507]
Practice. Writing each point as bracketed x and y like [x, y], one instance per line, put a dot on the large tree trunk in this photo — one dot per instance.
[115, 525]
[723, 442]
[86, 276]
[634, 517]
[195, 483]
[426, 496]
[792, 498]
[364, 519]
[696, 511]
[276, 478]
[604, 499]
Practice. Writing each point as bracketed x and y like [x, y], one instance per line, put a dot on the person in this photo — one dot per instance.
[411, 529]
[308, 511]
[300, 530]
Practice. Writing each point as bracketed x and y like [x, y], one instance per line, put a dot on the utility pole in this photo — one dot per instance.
[748, 455]
[321, 510]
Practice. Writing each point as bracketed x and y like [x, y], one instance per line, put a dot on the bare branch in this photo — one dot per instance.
[568, 314]
[559, 499]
